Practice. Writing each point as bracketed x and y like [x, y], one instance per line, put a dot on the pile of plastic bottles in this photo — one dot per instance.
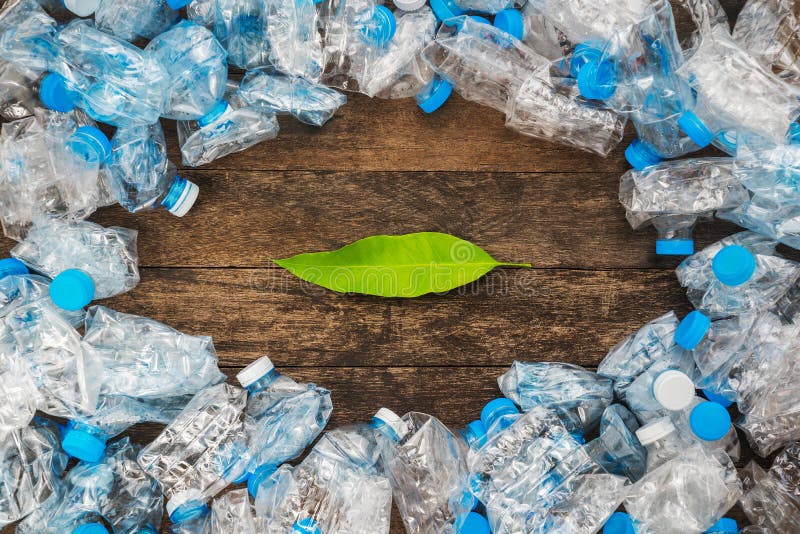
[652, 431]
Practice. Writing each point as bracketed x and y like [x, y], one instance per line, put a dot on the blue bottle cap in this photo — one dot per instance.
[215, 113]
[619, 523]
[181, 197]
[261, 473]
[674, 247]
[307, 525]
[511, 22]
[584, 53]
[641, 155]
[83, 445]
[445, 10]
[475, 524]
[381, 28]
[733, 265]
[475, 433]
[89, 144]
[90, 528]
[11, 267]
[495, 409]
[695, 129]
[55, 93]
[692, 329]
[726, 525]
[710, 421]
[434, 95]
[178, 4]
[716, 397]
[188, 511]
[597, 80]
[72, 290]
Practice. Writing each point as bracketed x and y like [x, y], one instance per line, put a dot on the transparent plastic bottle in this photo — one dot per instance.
[282, 418]
[665, 387]
[242, 28]
[141, 175]
[308, 102]
[770, 498]
[136, 19]
[662, 442]
[559, 387]
[617, 449]
[196, 68]
[769, 218]
[709, 423]
[295, 44]
[28, 37]
[85, 260]
[768, 30]
[673, 196]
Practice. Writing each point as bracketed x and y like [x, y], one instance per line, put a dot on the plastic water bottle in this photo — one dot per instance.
[200, 452]
[139, 19]
[673, 195]
[295, 45]
[709, 423]
[770, 171]
[141, 175]
[195, 64]
[27, 37]
[701, 487]
[534, 29]
[85, 438]
[636, 353]
[242, 28]
[281, 419]
[427, 465]
[109, 78]
[617, 449]
[779, 222]
[665, 387]
[50, 167]
[769, 499]
[33, 463]
[398, 72]
[740, 280]
[771, 103]
[767, 31]
[85, 260]
[339, 487]
[355, 34]
[582, 20]
[559, 387]
[306, 101]
[231, 126]
[146, 359]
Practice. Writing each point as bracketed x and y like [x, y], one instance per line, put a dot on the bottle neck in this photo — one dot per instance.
[263, 382]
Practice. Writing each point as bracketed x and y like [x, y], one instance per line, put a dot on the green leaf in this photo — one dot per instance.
[396, 266]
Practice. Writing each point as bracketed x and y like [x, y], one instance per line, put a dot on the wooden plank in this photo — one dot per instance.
[557, 315]
[243, 219]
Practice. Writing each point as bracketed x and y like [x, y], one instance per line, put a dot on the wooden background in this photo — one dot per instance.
[386, 167]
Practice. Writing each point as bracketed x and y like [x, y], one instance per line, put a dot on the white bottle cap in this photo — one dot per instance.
[673, 390]
[253, 372]
[187, 199]
[655, 430]
[393, 421]
[181, 498]
[409, 5]
[82, 8]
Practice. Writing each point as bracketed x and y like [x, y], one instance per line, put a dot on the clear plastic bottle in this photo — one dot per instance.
[662, 442]
[282, 418]
[768, 30]
[295, 44]
[242, 28]
[770, 498]
[274, 92]
[769, 218]
[136, 19]
[28, 37]
[617, 449]
[141, 175]
[673, 196]
[195, 65]
[709, 423]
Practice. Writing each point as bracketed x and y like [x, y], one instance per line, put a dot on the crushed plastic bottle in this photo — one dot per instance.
[241, 27]
[282, 418]
[709, 423]
[32, 463]
[85, 260]
[582, 20]
[195, 65]
[200, 452]
[232, 512]
[770, 104]
[142, 177]
[673, 196]
[231, 126]
[738, 274]
[767, 29]
[770, 498]
[698, 486]
[560, 387]
[776, 221]
[50, 167]
[113, 81]
[136, 19]
[294, 40]
[617, 449]
[666, 386]
[146, 359]
[339, 487]
[533, 28]
[28, 37]
[274, 92]
[427, 466]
